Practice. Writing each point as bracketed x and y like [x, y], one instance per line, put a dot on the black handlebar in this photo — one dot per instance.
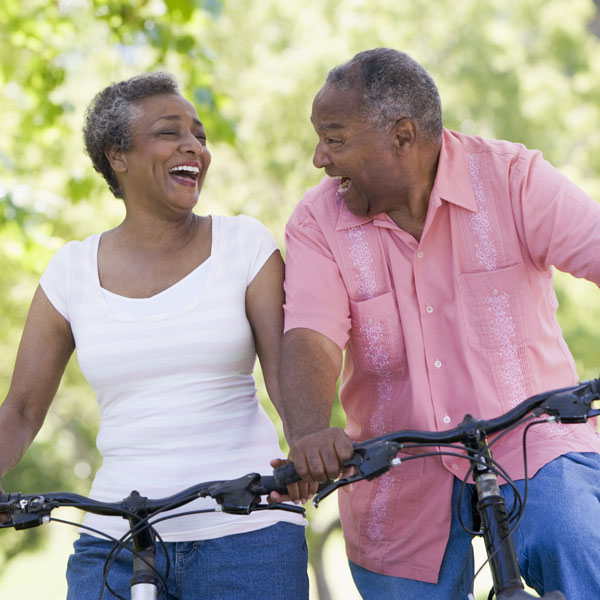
[375, 456]
[371, 458]
[237, 496]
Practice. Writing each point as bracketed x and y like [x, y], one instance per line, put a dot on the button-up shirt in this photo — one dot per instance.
[462, 321]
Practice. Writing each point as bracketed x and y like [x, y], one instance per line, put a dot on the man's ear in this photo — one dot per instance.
[405, 134]
[117, 160]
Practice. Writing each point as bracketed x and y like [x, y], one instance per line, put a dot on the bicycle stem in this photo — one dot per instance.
[491, 507]
[144, 584]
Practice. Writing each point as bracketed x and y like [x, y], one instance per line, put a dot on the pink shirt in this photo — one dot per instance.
[461, 322]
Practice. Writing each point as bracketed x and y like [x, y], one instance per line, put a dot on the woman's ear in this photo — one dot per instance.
[117, 160]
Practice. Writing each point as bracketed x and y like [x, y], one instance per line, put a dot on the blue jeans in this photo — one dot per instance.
[269, 562]
[557, 541]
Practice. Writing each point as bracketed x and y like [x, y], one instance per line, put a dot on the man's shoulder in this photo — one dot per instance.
[475, 144]
[319, 203]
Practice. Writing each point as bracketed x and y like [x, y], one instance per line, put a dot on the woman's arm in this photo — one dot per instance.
[45, 348]
[264, 308]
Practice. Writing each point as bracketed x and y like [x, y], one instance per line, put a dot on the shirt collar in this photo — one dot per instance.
[452, 184]
[453, 179]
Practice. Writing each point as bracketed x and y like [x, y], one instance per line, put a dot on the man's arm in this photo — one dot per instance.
[309, 367]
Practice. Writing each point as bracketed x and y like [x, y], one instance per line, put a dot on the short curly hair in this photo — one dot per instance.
[393, 85]
[109, 117]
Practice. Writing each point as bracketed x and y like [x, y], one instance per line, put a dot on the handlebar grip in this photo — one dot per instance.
[7, 500]
[286, 474]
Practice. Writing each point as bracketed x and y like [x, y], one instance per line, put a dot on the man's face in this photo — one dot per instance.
[351, 148]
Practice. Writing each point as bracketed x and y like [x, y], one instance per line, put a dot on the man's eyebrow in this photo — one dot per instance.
[327, 126]
[177, 118]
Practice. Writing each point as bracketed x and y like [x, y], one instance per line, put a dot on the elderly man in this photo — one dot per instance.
[427, 256]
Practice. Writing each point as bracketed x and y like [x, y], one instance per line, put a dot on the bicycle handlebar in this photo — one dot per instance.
[237, 496]
[375, 456]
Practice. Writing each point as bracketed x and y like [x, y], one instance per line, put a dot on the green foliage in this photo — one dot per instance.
[524, 71]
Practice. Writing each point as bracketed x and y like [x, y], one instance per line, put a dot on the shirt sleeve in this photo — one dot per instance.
[560, 223]
[315, 295]
[257, 245]
[54, 281]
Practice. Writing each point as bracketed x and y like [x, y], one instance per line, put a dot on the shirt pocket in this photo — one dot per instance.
[377, 338]
[497, 306]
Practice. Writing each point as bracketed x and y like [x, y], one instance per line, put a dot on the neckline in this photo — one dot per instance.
[192, 301]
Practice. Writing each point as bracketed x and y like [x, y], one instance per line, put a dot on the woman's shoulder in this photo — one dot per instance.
[76, 249]
[244, 226]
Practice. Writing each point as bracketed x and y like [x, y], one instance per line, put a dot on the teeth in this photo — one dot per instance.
[186, 168]
[345, 184]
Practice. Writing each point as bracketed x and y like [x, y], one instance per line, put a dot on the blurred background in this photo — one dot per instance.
[524, 71]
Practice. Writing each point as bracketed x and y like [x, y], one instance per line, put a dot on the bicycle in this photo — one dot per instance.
[376, 456]
[238, 496]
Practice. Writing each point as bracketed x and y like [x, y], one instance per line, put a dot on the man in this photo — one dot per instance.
[427, 256]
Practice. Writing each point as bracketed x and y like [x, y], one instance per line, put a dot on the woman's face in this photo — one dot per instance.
[167, 163]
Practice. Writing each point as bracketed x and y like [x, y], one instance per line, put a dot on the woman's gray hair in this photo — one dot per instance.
[109, 117]
[393, 86]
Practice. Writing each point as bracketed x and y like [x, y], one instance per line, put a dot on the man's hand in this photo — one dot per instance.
[300, 492]
[320, 456]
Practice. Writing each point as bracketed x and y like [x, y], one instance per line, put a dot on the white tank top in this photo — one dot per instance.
[173, 378]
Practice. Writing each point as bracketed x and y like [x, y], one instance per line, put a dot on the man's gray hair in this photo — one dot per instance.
[110, 115]
[393, 86]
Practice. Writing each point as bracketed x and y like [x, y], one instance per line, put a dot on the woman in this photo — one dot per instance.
[167, 311]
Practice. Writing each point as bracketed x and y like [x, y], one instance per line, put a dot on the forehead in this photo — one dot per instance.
[335, 108]
[165, 106]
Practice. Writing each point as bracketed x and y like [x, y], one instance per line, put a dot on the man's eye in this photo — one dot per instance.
[332, 141]
[201, 138]
[168, 133]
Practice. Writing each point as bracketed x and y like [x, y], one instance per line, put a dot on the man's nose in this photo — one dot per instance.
[321, 156]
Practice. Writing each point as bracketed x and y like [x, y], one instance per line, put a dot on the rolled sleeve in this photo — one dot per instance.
[315, 295]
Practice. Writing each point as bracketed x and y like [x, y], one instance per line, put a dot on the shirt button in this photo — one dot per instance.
[370, 321]
[495, 292]
[429, 309]
[447, 419]
[420, 254]
[438, 364]
[455, 467]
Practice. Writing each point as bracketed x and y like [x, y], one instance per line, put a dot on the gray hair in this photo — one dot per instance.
[393, 86]
[109, 117]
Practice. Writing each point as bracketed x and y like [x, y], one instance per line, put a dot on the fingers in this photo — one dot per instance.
[320, 456]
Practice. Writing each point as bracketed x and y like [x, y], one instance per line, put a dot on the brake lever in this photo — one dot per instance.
[369, 461]
[32, 512]
[574, 406]
[236, 496]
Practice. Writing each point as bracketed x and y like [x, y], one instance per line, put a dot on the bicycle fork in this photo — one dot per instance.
[496, 534]
[495, 525]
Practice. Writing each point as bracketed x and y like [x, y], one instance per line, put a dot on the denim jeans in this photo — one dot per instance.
[557, 541]
[269, 562]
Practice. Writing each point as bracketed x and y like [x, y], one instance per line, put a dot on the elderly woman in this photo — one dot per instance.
[167, 311]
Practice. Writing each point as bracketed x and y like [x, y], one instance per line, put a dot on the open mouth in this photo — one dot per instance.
[187, 174]
[345, 185]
